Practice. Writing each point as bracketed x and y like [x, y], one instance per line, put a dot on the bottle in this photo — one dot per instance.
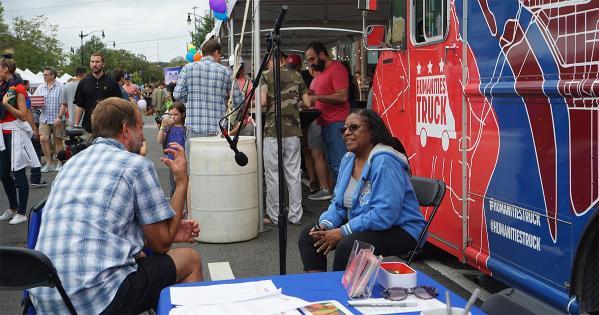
[12, 101]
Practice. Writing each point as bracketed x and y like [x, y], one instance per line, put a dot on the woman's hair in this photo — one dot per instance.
[8, 62]
[181, 108]
[379, 131]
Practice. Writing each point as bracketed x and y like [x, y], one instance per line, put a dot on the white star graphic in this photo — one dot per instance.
[430, 67]
[418, 67]
[441, 65]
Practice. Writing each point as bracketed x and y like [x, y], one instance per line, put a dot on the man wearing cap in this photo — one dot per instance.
[132, 89]
[204, 87]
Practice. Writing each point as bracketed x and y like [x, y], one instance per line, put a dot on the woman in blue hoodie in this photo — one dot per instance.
[374, 199]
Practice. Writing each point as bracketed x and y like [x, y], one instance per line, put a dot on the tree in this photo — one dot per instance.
[36, 43]
[5, 37]
[177, 62]
[202, 29]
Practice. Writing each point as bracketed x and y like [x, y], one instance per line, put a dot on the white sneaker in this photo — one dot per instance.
[7, 215]
[18, 218]
[47, 168]
[58, 167]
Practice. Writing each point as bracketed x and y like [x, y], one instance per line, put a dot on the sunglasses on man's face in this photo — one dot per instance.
[352, 128]
[397, 294]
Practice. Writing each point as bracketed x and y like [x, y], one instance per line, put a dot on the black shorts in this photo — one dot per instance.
[140, 291]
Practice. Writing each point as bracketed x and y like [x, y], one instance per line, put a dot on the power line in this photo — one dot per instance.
[152, 40]
[121, 25]
[57, 6]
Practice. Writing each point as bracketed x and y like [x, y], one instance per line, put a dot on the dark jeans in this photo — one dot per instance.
[36, 172]
[13, 180]
[392, 242]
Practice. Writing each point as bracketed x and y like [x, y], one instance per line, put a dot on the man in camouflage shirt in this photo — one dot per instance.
[293, 90]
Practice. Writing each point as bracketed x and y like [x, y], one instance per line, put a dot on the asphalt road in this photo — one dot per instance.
[258, 257]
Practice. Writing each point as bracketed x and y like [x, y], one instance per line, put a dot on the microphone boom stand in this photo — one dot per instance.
[273, 48]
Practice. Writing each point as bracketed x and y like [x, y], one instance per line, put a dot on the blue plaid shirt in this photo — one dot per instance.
[52, 97]
[204, 87]
[92, 224]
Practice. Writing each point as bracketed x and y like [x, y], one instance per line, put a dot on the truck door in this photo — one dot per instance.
[435, 98]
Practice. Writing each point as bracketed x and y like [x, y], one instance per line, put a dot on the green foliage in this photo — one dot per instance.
[203, 27]
[177, 62]
[35, 43]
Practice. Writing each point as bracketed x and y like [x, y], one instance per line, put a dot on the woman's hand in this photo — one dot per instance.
[7, 98]
[326, 241]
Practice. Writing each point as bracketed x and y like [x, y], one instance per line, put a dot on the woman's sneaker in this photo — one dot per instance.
[323, 194]
[7, 215]
[18, 218]
[38, 185]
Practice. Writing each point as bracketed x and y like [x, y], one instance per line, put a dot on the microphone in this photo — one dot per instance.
[240, 157]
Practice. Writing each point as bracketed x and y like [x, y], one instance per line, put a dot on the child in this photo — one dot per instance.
[172, 129]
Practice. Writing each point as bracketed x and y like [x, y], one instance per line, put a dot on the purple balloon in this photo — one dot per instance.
[219, 6]
[221, 16]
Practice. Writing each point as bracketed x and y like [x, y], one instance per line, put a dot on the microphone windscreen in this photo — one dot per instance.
[241, 159]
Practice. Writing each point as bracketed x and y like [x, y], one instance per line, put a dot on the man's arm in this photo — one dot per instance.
[306, 102]
[78, 114]
[160, 235]
[340, 96]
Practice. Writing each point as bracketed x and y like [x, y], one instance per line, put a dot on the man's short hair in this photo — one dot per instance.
[118, 74]
[52, 70]
[318, 48]
[97, 54]
[210, 47]
[79, 71]
[109, 116]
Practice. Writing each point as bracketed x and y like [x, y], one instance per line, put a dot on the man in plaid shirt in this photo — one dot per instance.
[52, 91]
[94, 227]
[204, 87]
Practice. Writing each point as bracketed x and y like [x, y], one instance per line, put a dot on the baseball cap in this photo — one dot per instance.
[232, 60]
[294, 59]
[127, 76]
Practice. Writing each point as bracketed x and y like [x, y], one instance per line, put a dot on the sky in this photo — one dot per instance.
[157, 29]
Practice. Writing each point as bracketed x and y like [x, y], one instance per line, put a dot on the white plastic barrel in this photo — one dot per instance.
[224, 195]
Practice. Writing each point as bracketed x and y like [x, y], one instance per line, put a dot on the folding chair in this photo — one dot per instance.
[24, 268]
[429, 192]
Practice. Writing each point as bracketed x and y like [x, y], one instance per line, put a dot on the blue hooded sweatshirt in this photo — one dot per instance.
[383, 198]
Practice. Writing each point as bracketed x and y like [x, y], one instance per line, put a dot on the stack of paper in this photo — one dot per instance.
[409, 305]
[260, 297]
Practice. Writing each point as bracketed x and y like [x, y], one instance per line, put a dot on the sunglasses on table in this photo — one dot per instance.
[397, 294]
[352, 128]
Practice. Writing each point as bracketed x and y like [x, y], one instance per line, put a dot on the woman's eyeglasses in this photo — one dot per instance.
[352, 128]
[397, 294]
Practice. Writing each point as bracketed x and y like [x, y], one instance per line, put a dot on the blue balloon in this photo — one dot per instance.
[189, 57]
[221, 16]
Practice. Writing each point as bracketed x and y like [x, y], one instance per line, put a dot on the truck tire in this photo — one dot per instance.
[587, 288]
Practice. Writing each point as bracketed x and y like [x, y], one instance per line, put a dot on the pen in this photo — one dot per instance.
[376, 304]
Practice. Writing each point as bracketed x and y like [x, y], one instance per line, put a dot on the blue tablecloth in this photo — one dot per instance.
[313, 287]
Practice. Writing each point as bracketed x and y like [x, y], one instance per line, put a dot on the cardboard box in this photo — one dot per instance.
[396, 274]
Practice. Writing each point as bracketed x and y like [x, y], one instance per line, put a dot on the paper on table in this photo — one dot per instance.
[222, 293]
[276, 304]
[422, 305]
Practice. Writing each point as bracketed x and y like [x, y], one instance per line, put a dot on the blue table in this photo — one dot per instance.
[313, 287]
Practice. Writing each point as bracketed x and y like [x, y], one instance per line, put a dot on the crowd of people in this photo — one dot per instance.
[349, 156]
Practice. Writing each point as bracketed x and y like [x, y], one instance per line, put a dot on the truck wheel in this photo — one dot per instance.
[587, 288]
[445, 140]
[423, 137]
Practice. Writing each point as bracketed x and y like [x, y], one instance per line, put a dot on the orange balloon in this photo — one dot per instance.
[197, 57]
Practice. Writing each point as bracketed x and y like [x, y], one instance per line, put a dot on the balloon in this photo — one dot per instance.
[192, 50]
[189, 57]
[197, 57]
[221, 16]
[142, 104]
[218, 6]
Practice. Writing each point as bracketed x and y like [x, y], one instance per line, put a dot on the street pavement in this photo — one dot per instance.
[260, 256]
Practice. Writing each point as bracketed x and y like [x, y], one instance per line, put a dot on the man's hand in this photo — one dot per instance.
[326, 240]
[57, 122]
[313, 99]
[179, 165]
[36, 134]
[188, 229]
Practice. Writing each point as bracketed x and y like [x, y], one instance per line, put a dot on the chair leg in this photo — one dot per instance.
[65, 298]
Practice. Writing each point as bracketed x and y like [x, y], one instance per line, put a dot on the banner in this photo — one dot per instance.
[171, 74]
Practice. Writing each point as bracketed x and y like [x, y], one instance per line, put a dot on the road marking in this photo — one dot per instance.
[220, 271]
[457, 276]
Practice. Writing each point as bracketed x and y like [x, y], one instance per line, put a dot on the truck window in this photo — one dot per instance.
[429, 21]
[396, 26]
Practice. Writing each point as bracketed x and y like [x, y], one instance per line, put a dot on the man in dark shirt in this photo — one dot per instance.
[94, 88]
